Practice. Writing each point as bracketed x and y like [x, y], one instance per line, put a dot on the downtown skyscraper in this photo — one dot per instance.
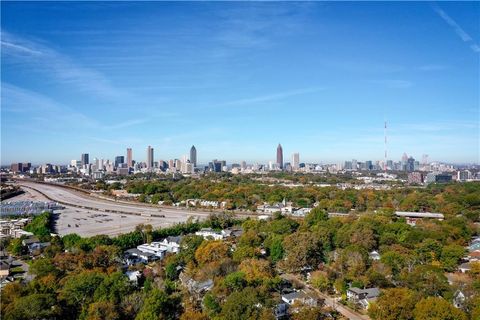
[193, 156]
[149, 158]
[129, 158]
[280, 156]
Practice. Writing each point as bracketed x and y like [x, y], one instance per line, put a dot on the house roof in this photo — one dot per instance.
[294, 295]
[176, 239]
[137, 252]
[370, 292]
[4, 265]
[419, 214]
[30, 240]
[465, 266]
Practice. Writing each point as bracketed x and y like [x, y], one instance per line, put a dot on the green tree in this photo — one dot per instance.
[393, 304]
[451, 255]
[158, 305]
[235, 280]
[34, 306]
[436, 308]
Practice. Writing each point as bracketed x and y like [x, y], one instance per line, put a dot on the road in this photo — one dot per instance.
[332, 301]
[88, 216]
[74, 198]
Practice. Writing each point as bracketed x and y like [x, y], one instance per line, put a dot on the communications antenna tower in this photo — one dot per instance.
[385, 147]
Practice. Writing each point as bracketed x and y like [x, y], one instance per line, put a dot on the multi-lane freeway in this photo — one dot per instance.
[88, 215]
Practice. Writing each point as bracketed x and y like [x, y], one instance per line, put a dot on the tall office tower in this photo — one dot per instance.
[171, 164]
[404, 157]
[119, 160]
[149, 157]
[85, 159]
[295, 161]
[410, 164]
[193, 156]
[243, 165]
[280, 156]
[178, 165]
[425, 159]
[354, 164]
[129, 158]
[97, 163]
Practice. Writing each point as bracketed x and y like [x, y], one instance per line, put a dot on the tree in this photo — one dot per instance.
[16, 247]
[436, 308]
[451, 255]
[242, 305]
[393, 304]
[102, 310]
[158, 305]
[34, 307]
[256, 271]
[315, 216]
[302, 249]
[235, 280]
[43, 267]
[274, 244]
[211, 251]
[79, 289]
[320, 280]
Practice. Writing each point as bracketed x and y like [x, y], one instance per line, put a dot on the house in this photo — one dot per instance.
[154, 247]
[135, 256]
[37, 246]
[458, 299]
[280, 311]
[4, 269]
[133, 276]
[30, 241]
[172, 244]
[474, 256]
[374, 255]
[474, 246]
[362, 297]
[299, 297]
[196, 288]
[209, 232]
[413, 217]
[465, 267]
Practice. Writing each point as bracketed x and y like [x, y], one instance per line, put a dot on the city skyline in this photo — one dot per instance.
[169, 75]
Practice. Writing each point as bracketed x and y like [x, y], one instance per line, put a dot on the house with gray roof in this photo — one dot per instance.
[362, 297]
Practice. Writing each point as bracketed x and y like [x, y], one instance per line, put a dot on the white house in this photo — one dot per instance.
[154, 247]
[209, 232]
[363, 297]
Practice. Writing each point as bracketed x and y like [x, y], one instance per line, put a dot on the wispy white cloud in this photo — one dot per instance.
[54, 64]
[456, 27]
[274, 96]
[42, 111]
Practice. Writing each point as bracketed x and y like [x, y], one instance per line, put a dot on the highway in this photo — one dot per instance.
[88, 215]
[77, 199]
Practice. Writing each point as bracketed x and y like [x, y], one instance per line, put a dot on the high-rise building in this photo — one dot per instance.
[149, 158]
[280, 156]
[296, 161]
[354, 164]
[129, 158]
[410, 166]
[193, 156]
[119, 160]
[84, 159]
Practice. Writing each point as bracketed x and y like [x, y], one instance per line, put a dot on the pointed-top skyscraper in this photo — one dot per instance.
[280, 156]
[193, 156]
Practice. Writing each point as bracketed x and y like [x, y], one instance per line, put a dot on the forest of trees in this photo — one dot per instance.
[81, 278]
[244, 192]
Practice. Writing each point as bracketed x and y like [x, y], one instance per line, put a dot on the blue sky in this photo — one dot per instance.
[237, 78]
